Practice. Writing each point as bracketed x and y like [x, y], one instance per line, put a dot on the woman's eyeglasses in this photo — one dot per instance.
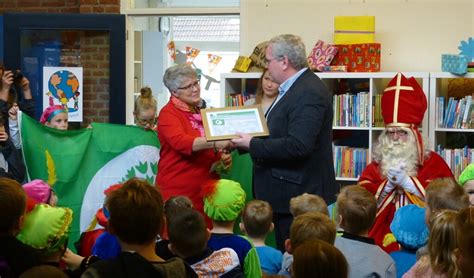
[195, 84]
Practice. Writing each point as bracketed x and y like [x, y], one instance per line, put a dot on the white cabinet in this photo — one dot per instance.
[352, 142]
[451, 122]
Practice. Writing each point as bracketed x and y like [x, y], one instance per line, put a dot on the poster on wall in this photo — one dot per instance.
[63, 86]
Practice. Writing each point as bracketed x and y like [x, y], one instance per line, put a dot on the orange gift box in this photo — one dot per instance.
[364, 57]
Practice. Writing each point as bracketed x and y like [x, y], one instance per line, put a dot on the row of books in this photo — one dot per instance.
[456, 113]
[457, 159]
[349, 162]
[377, 119]
[236, 99]
[350, 110]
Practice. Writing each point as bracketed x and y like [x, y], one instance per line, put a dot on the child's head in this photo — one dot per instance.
[224, 201]
[465, 239]
[55, 116]
[357, 208]
[466, 180]
[145, 109]
[188, 233]
[307, 203]
[136, 212]
[409, 227]
[41, 192]
[317, 258]
[257, 219]
[442, 242]
[46, 229]
[12, 206]
[444, 193]
[308, 226]
[44, 271]
[175, 204]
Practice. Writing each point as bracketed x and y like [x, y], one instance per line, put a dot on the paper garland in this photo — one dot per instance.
[172, 50]
[191, 54]
[213, 61]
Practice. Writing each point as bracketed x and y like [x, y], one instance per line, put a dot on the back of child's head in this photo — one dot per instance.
[357, 207]
[136, 212]
[43, 271]
[175, 204]
[409, 227]
[317, 258]
[465, 241]
[312, 225]
[307, 203]
[188, 233]
[12, 206]
[445, 193]
[257, 218]
[46, 229]
[223, 200]
[145, 100]
[442, 242]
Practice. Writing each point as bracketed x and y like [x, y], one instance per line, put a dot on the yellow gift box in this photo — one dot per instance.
[242, 64]
[354, 29]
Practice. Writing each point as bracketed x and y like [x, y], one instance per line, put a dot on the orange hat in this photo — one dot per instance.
[404, 105]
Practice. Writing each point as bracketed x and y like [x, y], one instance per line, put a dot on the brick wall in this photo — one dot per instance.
[94, 49]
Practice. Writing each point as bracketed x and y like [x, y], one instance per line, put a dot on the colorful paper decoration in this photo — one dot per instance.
[213, 61]
[363, 57]
[172, 50]
[467, 49]
[191, 54]
[354, 29]
[321, 55]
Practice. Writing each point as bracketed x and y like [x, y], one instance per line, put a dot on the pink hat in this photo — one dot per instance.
[38, 190]
[50, 112]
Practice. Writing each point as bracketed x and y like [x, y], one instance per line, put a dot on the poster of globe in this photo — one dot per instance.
[63, 86]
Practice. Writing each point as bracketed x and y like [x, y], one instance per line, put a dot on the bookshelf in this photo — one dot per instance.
[355, 138]
[451, 121]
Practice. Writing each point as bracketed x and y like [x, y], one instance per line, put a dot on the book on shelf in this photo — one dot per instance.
[349, 162]
[456, 114]
[457, 159]
[349, 110]
[236, 99]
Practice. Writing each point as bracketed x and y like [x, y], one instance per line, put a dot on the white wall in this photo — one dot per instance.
[413, 33]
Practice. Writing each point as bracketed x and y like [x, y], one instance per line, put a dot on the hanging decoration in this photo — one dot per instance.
[172, 50]
[213, 61]
[191, 53]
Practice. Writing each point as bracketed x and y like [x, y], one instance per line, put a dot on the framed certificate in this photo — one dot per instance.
[224, 123]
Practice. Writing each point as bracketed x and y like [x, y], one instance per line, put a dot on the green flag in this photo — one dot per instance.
[81, 164]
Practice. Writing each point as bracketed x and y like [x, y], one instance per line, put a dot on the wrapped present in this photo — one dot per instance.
[456, 64]
[258, 55]
[242, 64]
[354, 29]
[321, 55]
[363, 57]
[335, 68]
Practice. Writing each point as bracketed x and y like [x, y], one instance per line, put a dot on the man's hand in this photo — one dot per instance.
[243, 142]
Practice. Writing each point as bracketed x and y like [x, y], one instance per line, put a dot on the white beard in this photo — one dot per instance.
[399, 155]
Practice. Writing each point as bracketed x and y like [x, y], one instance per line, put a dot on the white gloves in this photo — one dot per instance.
[398, 177]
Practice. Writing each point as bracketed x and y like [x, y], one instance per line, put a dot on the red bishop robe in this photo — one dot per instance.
[433, 167]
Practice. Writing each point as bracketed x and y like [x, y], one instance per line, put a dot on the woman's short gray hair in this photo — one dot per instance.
[291, 46]
[174, 76]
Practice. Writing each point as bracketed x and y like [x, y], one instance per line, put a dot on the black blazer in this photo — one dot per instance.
[297, 155]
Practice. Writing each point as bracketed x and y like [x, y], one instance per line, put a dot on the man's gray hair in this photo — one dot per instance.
[174, 76]
[291, 46]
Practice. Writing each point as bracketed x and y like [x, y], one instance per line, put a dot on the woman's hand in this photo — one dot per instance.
[225, 145]
[13, 112]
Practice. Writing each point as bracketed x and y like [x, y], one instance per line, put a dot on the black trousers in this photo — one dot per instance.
[282, 222]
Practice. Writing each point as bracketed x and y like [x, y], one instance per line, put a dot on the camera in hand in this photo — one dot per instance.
[17, 77]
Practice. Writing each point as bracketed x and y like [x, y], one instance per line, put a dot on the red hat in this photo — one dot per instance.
[404, 105]
[403, 102]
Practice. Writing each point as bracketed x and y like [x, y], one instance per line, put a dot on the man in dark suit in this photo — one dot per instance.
[297, 156]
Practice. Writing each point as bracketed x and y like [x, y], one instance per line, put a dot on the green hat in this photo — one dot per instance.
[467, 174]
[226, 201]
[46, 228]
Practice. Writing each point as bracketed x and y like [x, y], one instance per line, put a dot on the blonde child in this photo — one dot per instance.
[307, 203]
[257, 224]
[55, 116]
[145, 109]
[465, 236]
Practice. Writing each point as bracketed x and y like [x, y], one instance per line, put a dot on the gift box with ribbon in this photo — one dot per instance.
[363, 57]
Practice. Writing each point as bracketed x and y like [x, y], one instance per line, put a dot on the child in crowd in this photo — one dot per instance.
[441, 194]
[465, 238]
[145, 109]
[256, 225]
[306, 227]
[44, 271]
[307, 203]
[410, 230]
[40, 192]
[319, 259]
[11, 160]
[356, 209]
[188, 235]
[440, 261]
[466, 180]
[136, 218]
[55, 116]
[46, 229]
[223, 203]
[15, 256]
[173, 207]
